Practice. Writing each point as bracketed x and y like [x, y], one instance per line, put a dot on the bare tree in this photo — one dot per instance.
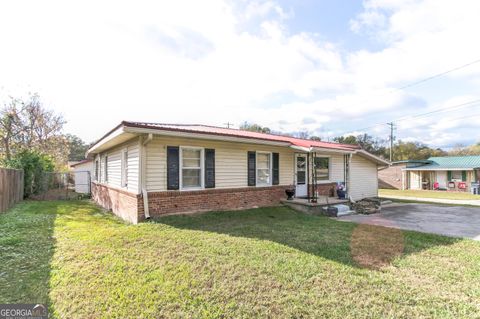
[26, 124]
[10, 127]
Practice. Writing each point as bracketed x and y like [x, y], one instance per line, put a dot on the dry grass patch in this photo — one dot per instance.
[376, 247]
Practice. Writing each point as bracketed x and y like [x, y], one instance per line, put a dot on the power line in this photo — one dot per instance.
[461, 118]
[448, 108]
[401, 88]
[438, 75]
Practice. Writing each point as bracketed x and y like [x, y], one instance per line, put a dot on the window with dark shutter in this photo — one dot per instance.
[251, 162]
[209, 168]
[275, 169]
[173, 168]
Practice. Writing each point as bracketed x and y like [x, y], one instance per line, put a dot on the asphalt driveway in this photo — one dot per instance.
[454, 221]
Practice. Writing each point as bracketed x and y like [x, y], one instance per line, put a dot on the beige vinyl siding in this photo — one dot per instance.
[335, 167]
[363, 178]
[115, 157]
[114, 168]
[230, 161]
[133, 166]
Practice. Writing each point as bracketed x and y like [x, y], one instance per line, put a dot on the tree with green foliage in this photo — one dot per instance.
[414, 151]
[462, 150]
[34, 165]
[401, 150]
[254, 128]
[367, 142]
[77, 148]
[346, 140]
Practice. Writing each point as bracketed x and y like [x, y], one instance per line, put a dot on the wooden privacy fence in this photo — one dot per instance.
[11, 187]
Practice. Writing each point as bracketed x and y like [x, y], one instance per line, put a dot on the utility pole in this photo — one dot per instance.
[392, 125]
[228, 124]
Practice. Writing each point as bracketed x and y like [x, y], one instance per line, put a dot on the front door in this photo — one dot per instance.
[414, 180]
[301, 174]
[442, 179]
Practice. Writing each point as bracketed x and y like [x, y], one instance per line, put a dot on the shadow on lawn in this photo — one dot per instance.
[27, 246]
[348, 243]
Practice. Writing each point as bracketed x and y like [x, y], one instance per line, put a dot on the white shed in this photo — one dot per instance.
[82, 172]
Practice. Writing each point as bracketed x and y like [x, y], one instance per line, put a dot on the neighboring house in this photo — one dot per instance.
[391, 177]
[455, 173]
[83, 172]
[145, 169]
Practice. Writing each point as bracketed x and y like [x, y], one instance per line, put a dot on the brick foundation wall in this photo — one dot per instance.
[121, 203]
[327, 189]
[171, 202]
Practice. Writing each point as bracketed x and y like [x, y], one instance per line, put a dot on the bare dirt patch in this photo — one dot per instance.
[376, 247]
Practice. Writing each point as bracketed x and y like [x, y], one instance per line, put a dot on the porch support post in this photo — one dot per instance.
[314, 179]
[308, 176]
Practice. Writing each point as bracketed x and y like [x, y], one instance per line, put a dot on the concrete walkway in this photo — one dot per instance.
[455, 221]
[472, 202]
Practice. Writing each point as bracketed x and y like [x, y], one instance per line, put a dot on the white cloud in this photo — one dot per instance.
[195, 61]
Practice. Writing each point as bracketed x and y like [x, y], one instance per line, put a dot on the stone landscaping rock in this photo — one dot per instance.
[367, 206]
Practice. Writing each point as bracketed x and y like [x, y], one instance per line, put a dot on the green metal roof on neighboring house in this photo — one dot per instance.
[450, 162]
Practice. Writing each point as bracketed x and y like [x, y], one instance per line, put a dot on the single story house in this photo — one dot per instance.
[455, 173]
[391, 177]
[82, 174]
[147, 169]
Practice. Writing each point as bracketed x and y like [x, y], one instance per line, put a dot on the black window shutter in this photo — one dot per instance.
[173, 167]
[209, 168]
[251, 169]
[275, 169]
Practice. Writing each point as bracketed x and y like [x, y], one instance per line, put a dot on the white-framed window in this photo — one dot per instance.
[264, 168]
[105, 169]
[96, 170]
[457, 176]
[191, 167]
[322, 168]
[125, 168]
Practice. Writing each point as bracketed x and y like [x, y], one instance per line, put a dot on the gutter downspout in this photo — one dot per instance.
[349, 177]
[144, 143]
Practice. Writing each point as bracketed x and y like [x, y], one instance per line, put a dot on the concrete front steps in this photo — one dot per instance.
[320, 207]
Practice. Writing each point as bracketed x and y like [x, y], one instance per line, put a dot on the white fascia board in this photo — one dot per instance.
[300, 148]
[329, 150]
[110, 137]
[372, 157]
[213, 137]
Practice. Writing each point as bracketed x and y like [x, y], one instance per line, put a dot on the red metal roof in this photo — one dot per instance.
[205, 129]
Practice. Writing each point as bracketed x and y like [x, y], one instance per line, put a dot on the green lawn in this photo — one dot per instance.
[270, 262]
[427, 194]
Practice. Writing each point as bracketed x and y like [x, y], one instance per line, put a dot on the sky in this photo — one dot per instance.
[328, 68]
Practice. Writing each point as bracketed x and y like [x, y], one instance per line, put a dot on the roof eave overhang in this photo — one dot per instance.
[331, 150]
[203, 136]
[373, 158]
[117, 136]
